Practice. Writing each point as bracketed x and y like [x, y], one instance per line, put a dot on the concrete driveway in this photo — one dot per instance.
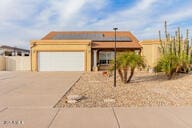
[27, 89]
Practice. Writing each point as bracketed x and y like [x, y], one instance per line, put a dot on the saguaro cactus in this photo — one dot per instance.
[177, 47]
[187, 42]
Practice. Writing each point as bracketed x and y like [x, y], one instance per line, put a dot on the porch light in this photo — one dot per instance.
[115, 49]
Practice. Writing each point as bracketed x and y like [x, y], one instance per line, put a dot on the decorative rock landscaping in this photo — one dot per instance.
[146, 89]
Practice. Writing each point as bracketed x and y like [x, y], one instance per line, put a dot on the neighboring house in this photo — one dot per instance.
[79, 51]
[151, 52]
[13, 51]
[14, 59]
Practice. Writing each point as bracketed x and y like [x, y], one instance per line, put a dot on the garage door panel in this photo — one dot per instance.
[61, 61]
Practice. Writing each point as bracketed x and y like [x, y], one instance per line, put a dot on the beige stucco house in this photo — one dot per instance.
[79, 51]
[151, 52]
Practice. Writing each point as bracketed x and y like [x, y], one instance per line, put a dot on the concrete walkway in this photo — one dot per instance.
[27, 100]
[170, 117]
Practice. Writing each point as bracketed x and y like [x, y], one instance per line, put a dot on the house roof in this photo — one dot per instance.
[143, 42]
[13, 48]
[91, 35]
[100, 39]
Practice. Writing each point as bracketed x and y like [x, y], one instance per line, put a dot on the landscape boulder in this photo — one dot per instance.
[74, 97]
[71, 101]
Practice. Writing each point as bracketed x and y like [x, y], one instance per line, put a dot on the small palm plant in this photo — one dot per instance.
[128, 61]
[135, 61]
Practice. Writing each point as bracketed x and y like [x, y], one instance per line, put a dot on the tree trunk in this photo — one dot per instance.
[125, 76]
[120, 74]
[171, 74]
[131, 75]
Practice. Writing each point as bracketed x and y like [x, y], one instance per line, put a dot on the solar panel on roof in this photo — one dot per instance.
[88, 36]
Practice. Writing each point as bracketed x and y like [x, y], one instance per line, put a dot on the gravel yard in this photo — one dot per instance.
[145, 89]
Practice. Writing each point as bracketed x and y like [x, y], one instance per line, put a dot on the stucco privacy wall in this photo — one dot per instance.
[2, 63]
[60, 46]
[18, 63]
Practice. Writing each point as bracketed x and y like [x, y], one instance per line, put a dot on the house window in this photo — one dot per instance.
[105, 57]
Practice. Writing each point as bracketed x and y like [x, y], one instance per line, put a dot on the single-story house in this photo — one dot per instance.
[79, 51]
[13, 51]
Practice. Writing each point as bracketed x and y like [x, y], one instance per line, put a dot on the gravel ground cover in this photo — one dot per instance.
[146, 89]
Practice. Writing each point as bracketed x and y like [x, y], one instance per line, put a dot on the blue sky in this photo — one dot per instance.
[23, 20]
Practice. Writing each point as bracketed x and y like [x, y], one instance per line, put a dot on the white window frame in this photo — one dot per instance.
[106, 57]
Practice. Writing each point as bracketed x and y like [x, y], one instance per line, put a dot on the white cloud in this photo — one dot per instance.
[23, 20]
[179, 15]
[145, 4]
[40, 17]
[133, 18]
[146, 17]
[63, 9]
[14, 10]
